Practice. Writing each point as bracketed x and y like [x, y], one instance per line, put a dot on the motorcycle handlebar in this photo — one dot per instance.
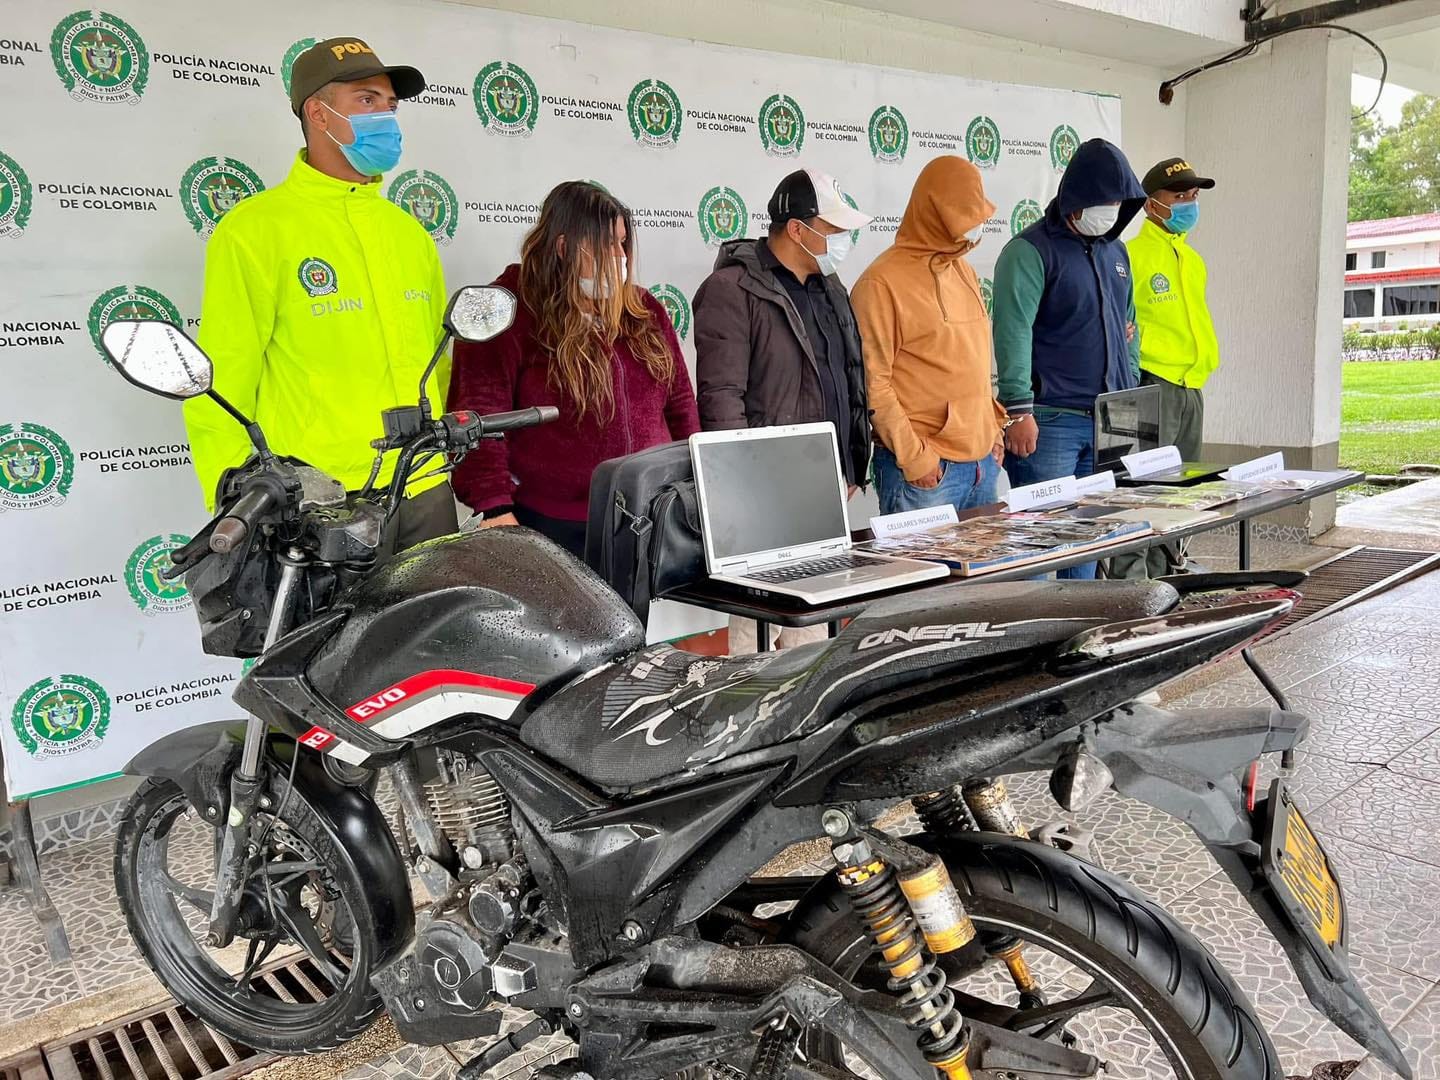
[499, 423]
[230, 531]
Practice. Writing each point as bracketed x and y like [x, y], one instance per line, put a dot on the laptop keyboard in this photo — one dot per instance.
[813, 568]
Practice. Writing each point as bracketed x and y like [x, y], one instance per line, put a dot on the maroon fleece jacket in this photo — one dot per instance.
[547, 469]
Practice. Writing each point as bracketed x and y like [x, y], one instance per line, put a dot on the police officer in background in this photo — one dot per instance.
[323, 300]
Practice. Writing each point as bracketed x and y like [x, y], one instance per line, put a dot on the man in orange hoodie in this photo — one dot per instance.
[926, 340]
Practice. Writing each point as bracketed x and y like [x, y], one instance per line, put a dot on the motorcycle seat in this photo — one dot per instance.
[661, 712]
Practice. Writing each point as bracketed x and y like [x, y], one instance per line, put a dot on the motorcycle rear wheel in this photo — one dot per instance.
[299, 902]
[1198, 1018]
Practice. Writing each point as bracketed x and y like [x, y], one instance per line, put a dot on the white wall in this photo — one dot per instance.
[839, 31]
[1275, 247]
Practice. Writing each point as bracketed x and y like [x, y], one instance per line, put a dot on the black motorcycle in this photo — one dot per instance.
[590, 815]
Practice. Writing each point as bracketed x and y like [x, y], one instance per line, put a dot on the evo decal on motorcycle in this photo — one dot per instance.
[416, 703]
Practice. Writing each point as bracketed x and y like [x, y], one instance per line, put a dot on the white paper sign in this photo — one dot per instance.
[1256, 468]
[1045, 493]
[909, 521]
[1161, 459]
[1093, 485]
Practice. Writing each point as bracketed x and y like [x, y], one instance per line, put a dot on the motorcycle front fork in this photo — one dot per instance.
[246, 786]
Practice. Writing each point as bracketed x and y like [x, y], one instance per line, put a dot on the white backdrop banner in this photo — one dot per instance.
[128, 132]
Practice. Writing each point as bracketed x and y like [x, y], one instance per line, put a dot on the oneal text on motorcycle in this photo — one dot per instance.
[934, 632]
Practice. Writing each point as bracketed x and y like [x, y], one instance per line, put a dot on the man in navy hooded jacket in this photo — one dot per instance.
[1064, 314]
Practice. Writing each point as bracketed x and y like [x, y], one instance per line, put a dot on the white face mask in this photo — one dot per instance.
[976, 233]
[593, 287]
[1097, 220]
[837, 246]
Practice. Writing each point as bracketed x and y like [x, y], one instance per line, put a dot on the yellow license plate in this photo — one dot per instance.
[1305, 872]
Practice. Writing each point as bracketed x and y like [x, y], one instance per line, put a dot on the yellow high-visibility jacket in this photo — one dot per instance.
[323, 304]
[1177, 336]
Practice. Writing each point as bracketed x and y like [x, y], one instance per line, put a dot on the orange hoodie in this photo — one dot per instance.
[924, 329]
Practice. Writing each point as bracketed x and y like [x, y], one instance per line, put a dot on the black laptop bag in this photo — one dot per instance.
[643, 531]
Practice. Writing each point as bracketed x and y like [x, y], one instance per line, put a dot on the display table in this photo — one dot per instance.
[732, 600]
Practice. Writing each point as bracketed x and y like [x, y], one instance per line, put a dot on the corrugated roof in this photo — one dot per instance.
[1395, 226]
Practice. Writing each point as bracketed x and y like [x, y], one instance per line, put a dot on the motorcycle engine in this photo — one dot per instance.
[440, 990]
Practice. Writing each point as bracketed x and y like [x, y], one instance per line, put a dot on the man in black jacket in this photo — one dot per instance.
[775, 336]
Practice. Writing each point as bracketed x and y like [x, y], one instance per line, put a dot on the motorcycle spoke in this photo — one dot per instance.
[256, 953]
[303, 932]
[284, 873]
[199, 899]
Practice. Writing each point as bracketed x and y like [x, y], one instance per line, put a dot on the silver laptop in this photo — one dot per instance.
[772, 513]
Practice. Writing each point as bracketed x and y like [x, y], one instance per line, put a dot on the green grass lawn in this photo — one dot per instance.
[1390, 415]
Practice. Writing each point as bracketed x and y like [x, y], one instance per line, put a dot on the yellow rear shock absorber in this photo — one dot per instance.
[902, 929]
[990, 805]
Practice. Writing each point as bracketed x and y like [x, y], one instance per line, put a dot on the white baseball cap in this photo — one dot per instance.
[807, 194]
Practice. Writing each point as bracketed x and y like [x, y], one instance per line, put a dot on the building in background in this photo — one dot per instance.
[1392, 272]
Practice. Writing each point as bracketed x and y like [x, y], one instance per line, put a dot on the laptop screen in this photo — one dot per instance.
[770, 492]
[1126, 422]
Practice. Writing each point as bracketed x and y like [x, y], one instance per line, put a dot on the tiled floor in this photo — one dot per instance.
[1368, 677]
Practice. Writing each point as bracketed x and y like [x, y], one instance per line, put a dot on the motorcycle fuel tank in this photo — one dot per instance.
[474, 623]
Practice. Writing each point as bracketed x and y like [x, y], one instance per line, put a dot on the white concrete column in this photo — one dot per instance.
[1274, 132]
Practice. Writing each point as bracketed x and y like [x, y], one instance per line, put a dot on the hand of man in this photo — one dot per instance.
[1129, 332]
[1021, 437]
[503, 519]
[998, 450]
[932, 480]
[850, 491]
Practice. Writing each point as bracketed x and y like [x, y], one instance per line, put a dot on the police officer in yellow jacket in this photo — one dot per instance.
[323, 301]
[1178, 350]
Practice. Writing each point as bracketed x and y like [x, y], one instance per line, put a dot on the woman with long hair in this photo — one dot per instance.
[587, 340]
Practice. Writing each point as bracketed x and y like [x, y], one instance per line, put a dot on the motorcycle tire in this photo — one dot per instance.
[1191, 1006]
[256, 1021]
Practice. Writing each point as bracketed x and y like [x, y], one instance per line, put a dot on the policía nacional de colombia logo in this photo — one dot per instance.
[317, 276]
[212, 187]
[782, 126]
[889, 135]
[982, 143]
[151, 592]
[128, 302]
[987, 293]
[60, 716]
[1064, 141]
[287, 64]
[722, 216]
[100, 57]
[1025, 214]
[675, 305]
[37, 467]
[431, 201]
[506, 99]
[1159, 284]
[16, 197]
[655, 114]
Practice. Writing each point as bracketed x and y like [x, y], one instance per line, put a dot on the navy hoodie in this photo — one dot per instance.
[1062, 300]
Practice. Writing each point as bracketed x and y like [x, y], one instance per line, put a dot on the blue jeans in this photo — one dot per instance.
[963, 484]
[1066, 447]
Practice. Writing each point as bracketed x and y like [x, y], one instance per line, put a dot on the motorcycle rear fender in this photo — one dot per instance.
[200, 760]
[1188, 764]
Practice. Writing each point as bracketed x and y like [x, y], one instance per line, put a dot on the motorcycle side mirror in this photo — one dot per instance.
[158, 357]
[480, 312]
[163, 359]
[475, 313]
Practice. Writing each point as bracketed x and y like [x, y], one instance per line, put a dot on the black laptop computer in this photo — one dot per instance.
[1128, 422]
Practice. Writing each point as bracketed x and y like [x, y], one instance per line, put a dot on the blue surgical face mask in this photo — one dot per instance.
[376, 148]
[837, 246]
[1183, 216]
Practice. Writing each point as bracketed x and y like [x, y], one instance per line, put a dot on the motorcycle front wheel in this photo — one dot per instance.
[297, 978]
[1124, 982]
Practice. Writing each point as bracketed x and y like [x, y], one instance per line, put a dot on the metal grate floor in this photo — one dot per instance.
[1352, 576]
[165, 1042]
